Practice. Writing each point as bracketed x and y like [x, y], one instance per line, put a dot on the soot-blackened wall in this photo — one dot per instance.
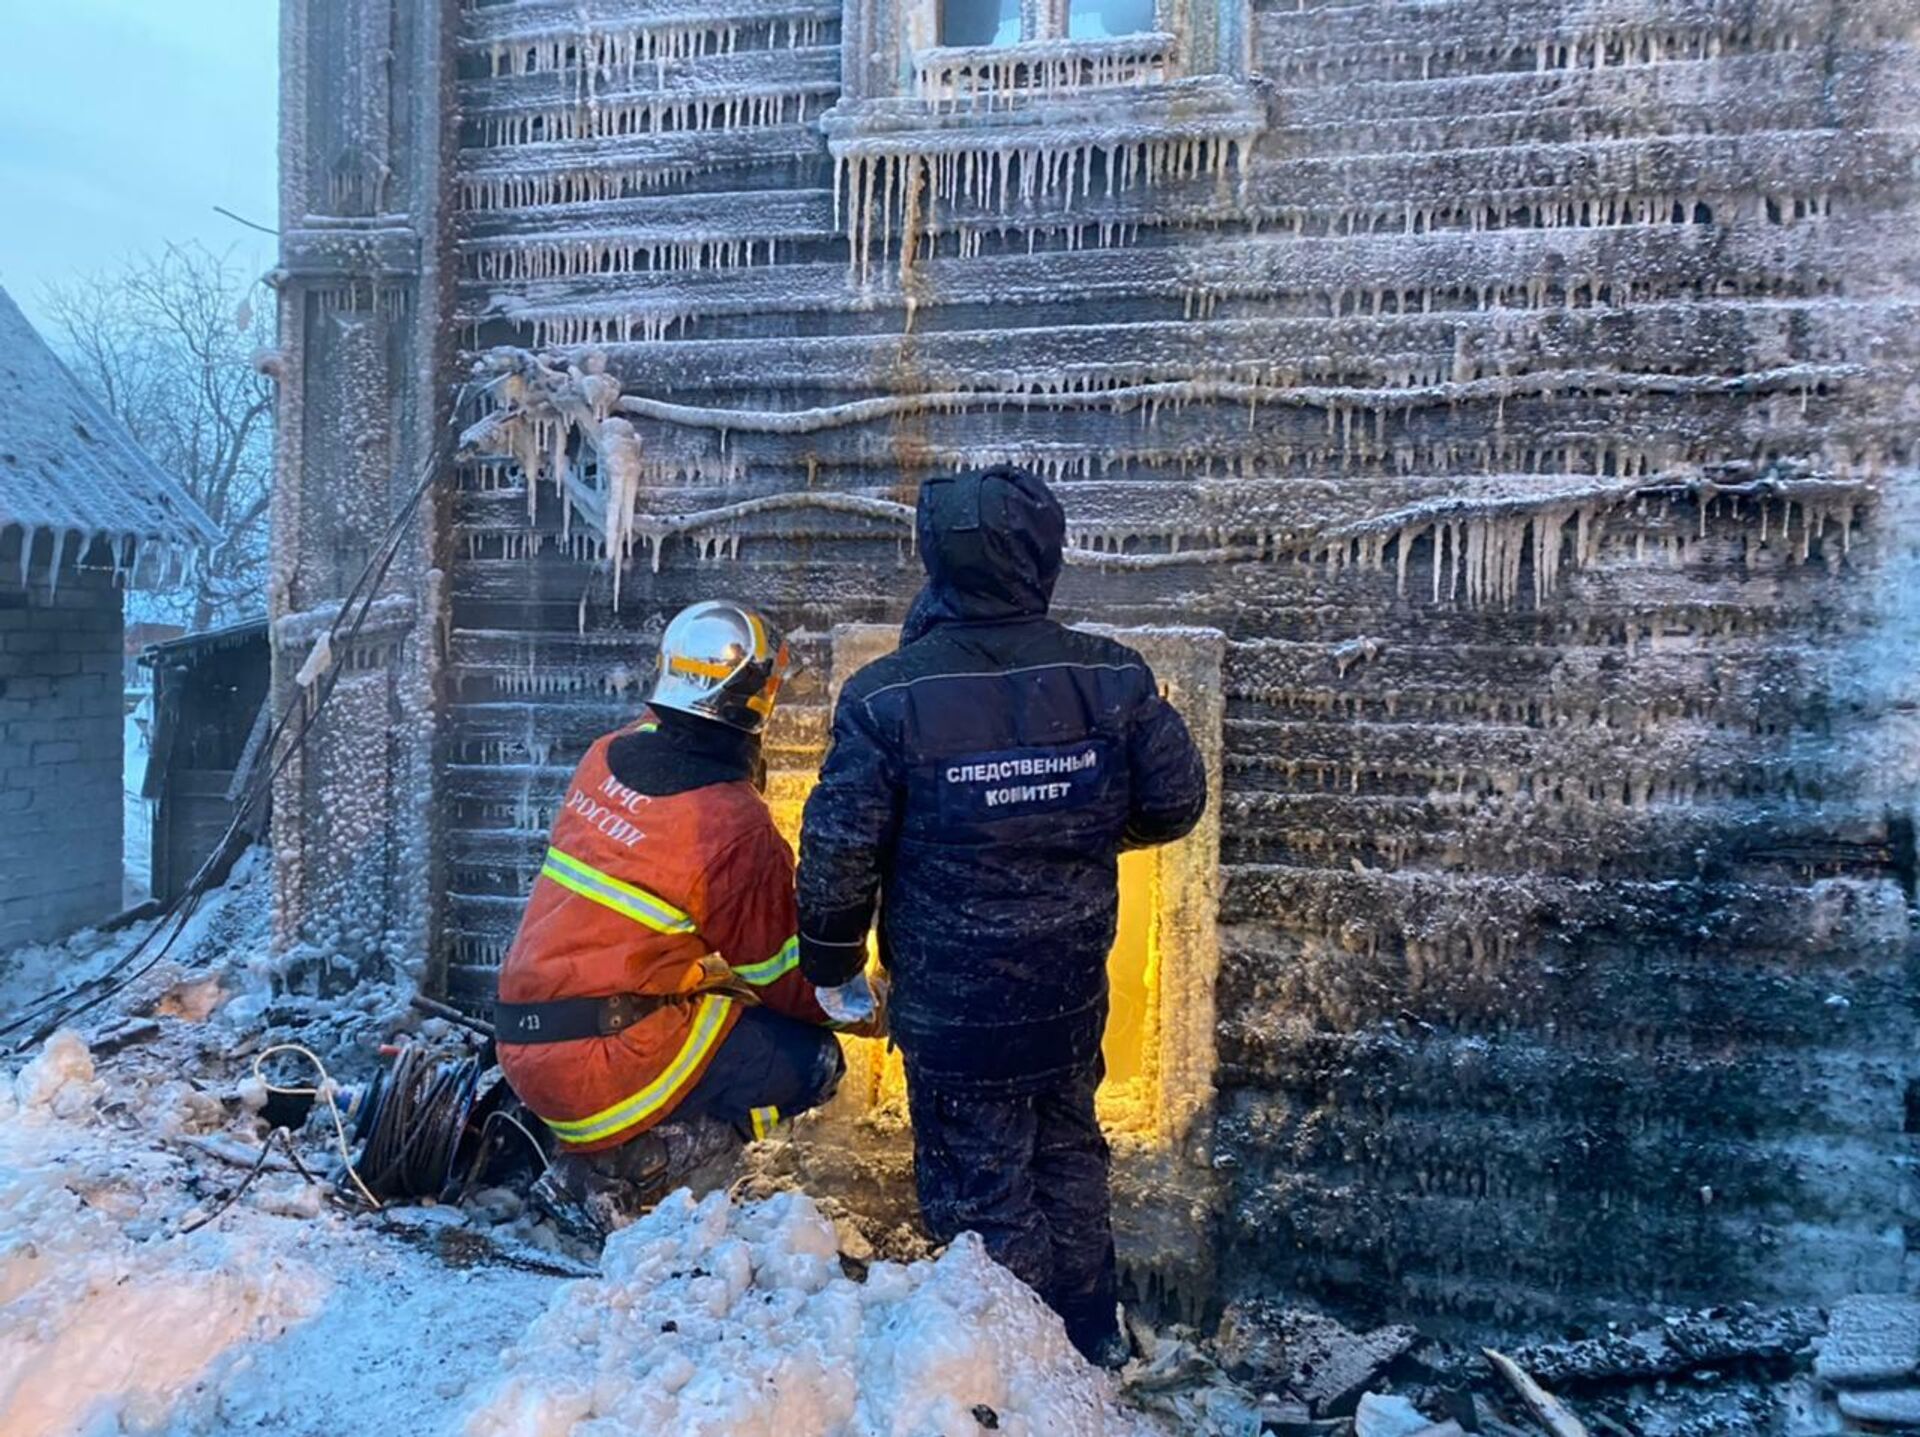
[1518, 386]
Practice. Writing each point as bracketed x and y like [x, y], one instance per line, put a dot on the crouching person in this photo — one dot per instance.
[980, 785]
[651, 1011]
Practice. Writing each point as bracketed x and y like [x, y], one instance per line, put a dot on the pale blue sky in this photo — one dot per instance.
[123, 122]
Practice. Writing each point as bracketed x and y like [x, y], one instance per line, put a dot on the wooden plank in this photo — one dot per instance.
[1554, 1414]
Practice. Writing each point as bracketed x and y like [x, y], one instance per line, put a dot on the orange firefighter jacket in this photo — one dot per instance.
[645, 895]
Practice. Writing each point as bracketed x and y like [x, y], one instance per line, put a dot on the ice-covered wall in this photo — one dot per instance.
[1521, 387]
[364, 364]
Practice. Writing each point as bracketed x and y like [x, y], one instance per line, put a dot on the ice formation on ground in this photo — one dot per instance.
[59, 1081]
[283, 1315]
[713, 1319]
[105, 1321]
[287, 1314]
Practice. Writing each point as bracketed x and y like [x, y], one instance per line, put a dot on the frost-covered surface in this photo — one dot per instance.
[1568, 770]
[101, 1317]
[286, 1314]
[711, 1319]
[280, 1317]
[228, 930]
[68, 469]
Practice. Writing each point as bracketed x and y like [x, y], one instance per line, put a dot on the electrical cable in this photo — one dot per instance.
[415, 1124]
[503, 1116]
[325, 1092]
[259, 1166]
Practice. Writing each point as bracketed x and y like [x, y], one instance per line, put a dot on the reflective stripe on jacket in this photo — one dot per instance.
[634, 893]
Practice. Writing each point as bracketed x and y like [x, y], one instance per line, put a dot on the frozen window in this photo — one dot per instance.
[1107, 19]
[980, 22]
[983, 52]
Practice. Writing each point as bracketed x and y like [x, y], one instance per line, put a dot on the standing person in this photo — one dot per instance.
[650, 1011]
[980, 785]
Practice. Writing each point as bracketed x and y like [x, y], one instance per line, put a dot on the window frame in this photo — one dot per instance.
[887, 45]
[1045, 57]
[1049, 22]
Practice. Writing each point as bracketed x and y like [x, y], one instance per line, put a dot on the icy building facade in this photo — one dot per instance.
[1495, 419]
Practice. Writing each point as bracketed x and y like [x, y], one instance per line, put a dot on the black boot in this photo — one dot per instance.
[590, 1196]
[701, 1153]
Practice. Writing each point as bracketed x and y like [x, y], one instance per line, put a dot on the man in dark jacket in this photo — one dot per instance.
[980, 786]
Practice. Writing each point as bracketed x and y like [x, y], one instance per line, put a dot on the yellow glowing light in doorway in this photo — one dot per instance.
[1128, 1099]
[1133, 983]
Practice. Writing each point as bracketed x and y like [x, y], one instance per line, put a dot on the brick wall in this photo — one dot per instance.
[60, 750]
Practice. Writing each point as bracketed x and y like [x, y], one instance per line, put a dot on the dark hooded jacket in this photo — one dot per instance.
[980, 785]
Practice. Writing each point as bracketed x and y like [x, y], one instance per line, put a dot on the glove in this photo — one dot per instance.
[858, 1006]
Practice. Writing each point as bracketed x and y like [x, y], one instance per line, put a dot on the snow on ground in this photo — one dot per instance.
[95, 1322]
[711, 1319]
[279, 1317]
[289, 1315]
[228, 934]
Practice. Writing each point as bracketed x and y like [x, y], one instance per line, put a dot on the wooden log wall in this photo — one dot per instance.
[1530, 383]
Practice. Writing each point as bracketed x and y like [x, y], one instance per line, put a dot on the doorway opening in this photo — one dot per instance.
[875, 1087]
[1157, 1102]
[1159, 1044]
[1126, 1099]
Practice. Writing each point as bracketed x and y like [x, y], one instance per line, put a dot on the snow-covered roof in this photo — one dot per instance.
[69, 467]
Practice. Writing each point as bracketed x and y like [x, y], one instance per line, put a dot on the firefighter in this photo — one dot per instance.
[650, 1009]
[981, 783]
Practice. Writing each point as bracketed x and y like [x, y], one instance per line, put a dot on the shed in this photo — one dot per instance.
[84, 513]
[209, 727]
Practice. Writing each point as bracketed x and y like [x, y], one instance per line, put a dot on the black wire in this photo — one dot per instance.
[259, 1166]
[415, 1137]
[501, 1116]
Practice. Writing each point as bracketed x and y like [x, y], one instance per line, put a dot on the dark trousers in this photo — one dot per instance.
[1029, 1174]
[770, 1068]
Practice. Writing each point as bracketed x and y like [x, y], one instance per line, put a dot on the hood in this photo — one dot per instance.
[991, 542]
[670, 752]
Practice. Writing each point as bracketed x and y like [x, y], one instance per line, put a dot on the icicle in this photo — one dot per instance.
[319, 659]
[57, 560]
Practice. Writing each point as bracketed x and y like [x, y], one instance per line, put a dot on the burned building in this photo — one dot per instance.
[84, 513]
[1494, 421]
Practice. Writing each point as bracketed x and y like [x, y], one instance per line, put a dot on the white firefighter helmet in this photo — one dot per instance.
[721, 661]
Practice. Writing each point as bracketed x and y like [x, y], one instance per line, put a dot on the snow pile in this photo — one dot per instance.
[227, 933]
[712, 1320]
[59, 1082]
[290, 1315]
[99, 1329]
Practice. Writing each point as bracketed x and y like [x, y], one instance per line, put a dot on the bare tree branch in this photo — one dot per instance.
[168, 344]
